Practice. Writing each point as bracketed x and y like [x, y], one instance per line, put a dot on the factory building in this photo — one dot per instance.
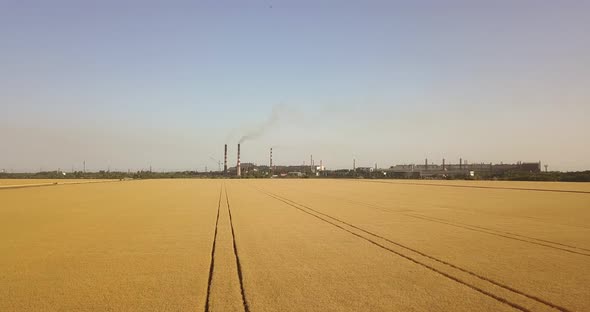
[463, 169]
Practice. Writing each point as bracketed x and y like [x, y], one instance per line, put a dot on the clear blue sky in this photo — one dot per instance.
[126, 84]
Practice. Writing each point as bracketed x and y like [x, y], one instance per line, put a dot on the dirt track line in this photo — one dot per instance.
[212, 263]
[477, 228]
[238, 263]
[468, 227]
[484, 187]
[510, 233]
[501, 285]
[540, 300]
[455, 279]
[21, 186]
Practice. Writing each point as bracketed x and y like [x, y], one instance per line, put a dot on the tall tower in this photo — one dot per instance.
[239, 167]
[225, 159]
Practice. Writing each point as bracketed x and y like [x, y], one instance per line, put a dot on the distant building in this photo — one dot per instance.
[461, 169]
[364, 169]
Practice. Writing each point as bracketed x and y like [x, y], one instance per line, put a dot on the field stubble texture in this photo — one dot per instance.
[296, 245]
[128, 246]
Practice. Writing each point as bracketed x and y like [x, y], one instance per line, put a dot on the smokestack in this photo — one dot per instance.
[225, 159]
[354, 164]
[426, 164]
[239, 167]
[443, 164]
[460, 163]
[271, 159]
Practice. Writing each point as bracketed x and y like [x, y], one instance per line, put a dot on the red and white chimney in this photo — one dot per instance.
[225, 159]
[239, 167]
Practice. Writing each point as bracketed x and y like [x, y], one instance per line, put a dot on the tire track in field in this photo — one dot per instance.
[236, 254]
[21, 186]
[212, 263]
[481, 229]
[510, 233]
[510, 289]
[473, 228]
[484, 187]
[497, 298]
[526, 239]
[497, 188]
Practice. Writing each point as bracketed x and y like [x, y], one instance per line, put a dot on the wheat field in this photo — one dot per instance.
[295, 245]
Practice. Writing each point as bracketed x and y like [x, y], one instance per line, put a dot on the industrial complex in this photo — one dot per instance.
[442, 170]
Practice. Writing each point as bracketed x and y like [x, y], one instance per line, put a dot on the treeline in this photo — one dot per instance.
[553, 176]
[577, 176]
[110, 175]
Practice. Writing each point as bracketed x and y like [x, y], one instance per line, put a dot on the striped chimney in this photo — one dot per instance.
[225, 159]
[239, 165]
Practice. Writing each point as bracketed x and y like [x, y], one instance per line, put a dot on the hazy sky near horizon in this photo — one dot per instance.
[129, 84]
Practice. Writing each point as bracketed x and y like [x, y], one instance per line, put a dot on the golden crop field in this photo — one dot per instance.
[295, 245]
